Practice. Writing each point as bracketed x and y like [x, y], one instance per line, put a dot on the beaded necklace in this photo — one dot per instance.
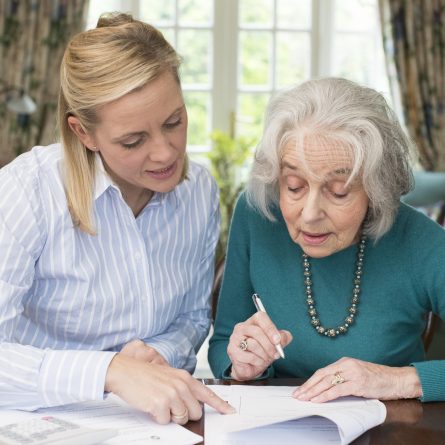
[352, 310]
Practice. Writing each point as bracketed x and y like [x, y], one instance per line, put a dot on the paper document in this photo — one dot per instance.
[269, 414]
[135, 427]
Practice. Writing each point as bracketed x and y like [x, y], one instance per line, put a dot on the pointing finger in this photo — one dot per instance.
[206, 395]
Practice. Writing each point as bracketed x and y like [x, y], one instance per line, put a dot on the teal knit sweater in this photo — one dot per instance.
[403, 279]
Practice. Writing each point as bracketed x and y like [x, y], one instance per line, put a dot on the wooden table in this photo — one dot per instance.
[408, 422]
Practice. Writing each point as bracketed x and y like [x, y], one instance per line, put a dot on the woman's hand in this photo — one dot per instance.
[352, 377]
[252, 346]
[168, 394]
[140, 351]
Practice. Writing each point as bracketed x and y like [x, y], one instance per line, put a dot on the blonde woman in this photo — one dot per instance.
[108, 238]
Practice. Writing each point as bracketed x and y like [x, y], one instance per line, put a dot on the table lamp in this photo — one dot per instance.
[19, 103]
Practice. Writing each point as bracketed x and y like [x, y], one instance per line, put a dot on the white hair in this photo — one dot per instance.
[344, 113]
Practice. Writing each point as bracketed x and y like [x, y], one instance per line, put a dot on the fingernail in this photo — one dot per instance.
[302, 396]
[231, 410]
[277, 338]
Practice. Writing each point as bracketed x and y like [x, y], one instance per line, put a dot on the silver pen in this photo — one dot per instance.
[260, 308]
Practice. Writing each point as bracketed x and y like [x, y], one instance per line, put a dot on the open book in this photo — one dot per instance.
[270, 415]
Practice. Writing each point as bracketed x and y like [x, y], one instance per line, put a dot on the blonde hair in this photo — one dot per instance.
[99, 66]
[341, 112]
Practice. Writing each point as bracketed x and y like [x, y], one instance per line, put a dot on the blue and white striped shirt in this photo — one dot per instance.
[68, 300]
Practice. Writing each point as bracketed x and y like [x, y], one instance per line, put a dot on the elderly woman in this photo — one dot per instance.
[345, 271]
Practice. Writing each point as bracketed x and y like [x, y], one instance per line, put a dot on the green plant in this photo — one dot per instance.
[227, 158]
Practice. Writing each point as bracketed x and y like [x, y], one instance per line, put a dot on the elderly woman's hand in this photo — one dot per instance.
[352, 377]
[252, 346]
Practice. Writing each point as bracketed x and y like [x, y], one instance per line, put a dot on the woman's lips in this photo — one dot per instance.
[163, 173]
[315, 238]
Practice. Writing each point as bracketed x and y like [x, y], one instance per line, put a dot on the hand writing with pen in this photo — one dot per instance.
[255, 344]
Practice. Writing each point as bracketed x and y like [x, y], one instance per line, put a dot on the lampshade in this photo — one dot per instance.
[22, 104]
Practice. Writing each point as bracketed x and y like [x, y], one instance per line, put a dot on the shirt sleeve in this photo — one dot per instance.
[234, 304]
[183, 338]
[432, 378]
[30, 377]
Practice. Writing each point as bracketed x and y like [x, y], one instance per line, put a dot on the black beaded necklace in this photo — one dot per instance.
[352, 311]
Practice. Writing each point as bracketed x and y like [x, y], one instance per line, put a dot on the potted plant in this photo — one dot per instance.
[228, 163]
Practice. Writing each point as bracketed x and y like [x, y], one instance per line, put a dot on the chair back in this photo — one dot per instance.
[429, 194]
[217, 280]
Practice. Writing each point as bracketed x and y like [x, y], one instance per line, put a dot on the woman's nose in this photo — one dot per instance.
[312, 208]
[160, 149]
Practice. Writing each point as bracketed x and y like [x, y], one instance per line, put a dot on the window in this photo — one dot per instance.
[274, 50]
[237, 52]
[357, 44]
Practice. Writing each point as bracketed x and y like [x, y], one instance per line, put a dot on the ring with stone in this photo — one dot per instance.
[338, 379]
[243, 345]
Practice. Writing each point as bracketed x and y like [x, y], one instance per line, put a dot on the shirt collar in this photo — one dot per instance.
[103, 182]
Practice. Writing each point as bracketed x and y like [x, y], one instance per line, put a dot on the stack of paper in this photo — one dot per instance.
[269, 414]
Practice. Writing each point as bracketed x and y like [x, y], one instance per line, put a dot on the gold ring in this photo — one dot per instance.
[243, 345]
[182, 416]
[338, 379]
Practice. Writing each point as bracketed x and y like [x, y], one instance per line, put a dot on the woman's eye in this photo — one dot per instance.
[294, 189]
[131, 145]
[170, 125]
[339, 192]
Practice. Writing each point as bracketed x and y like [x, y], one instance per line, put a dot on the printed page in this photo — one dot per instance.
[134, 427]
[341, 420]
